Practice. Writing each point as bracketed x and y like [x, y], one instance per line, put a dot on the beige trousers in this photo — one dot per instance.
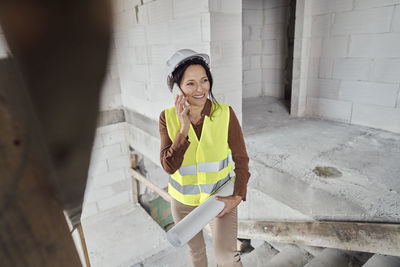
[224, 233]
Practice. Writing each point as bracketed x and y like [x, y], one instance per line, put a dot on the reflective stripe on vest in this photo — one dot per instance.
[188, 170]
[194, 189]
[210, 188]
[215, 166]
[184, 189]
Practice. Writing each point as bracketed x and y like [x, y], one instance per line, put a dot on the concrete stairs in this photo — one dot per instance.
[260, 256]
[284, 255]
[382, 261]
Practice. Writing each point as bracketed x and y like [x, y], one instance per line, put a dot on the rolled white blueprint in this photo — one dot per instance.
[196, 220]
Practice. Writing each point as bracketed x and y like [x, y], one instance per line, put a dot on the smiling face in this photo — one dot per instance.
[195, 85]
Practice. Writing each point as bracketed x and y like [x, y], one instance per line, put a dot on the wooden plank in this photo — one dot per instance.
[135, 190]
[84, 247]
[136, 175]
[368, 237]
[135, 183]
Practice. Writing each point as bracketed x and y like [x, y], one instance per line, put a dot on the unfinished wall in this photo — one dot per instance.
[265, 26]
[109, 183]
[225, 22]
[352, 51]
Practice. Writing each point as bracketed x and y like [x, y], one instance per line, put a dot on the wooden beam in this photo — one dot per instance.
[135, 183]
[84, 247]
[368, 237]
[136, 175]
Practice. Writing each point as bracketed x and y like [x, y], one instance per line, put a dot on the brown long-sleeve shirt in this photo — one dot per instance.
[172, 153]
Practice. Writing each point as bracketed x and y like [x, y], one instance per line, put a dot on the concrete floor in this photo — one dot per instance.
[284, 151]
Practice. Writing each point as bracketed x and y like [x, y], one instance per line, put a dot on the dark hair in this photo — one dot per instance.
[177, 76]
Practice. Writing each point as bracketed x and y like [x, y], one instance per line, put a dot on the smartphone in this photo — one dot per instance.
[177, 91]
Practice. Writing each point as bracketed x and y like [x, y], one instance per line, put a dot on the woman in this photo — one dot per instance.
[198, 134]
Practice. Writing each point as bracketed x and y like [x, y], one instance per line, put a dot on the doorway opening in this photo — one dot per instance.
[268, 45]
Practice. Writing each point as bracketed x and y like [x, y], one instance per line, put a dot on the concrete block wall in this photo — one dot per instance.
[109, 183]
[110, 98]
[226, 52]
[264, 47]
[147, 34]
[353, 59]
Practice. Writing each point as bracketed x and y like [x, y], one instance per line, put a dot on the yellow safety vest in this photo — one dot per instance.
[207, 163]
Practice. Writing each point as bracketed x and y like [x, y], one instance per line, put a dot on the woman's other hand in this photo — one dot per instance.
[231, 202]
[182, 111]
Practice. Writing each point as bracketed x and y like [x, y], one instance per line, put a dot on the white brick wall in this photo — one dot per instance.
[369, 93]
[274, 3]
[253, 17]
[375, 46]
[226, 51]
[329, 6]
[358, 60]
[351, 68]
[358, 4]
[252, 48]
[273, 89]
[323, 88]
[160, 28]
[108, 180]
[231, 7]
[398, 100]
[275, 47]
[253, 90]
[253, 4]
[273, 31]
[335, 47]
[226, 27]
[185, 30]
[227, 79]
[331, 109]
[386, 70]
[376, 20]
[264, 47]
[396, 20]
[325, 68]
[159, 11]
[321, 25]
[189, 8]
[377, 117]
[252, 76]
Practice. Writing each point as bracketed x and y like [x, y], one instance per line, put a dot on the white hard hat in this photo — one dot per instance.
[181, 56]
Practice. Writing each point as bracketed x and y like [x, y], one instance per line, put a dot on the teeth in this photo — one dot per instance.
[201, 96]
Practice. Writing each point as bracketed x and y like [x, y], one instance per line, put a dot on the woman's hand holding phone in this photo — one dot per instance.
[183, 110]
